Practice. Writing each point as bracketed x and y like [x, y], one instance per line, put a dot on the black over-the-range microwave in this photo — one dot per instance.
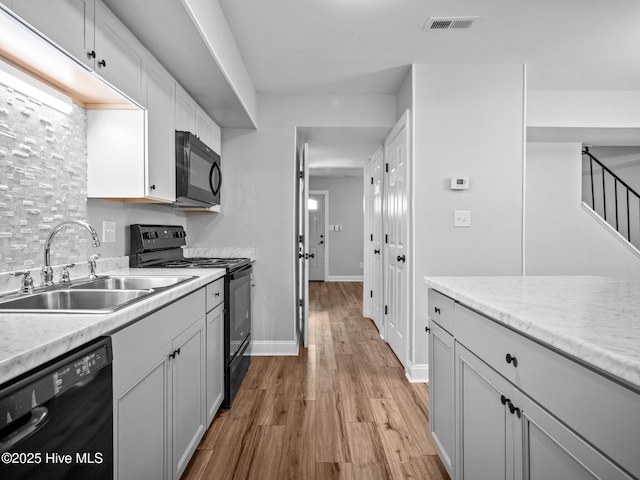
[198, 175]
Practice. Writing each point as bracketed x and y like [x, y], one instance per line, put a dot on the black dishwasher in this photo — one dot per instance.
[56, 421]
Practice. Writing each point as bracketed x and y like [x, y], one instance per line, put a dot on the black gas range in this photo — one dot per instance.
[160, 246]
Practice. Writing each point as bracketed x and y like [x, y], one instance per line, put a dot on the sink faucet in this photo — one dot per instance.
[47, 271]
[92, 265]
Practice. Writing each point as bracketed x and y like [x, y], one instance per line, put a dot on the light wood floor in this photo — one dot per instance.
[343, 409]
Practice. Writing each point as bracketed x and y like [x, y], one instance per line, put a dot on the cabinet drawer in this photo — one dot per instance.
[441, 310]
[215, 294]
[602, 411]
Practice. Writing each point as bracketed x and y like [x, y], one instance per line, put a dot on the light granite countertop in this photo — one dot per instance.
[596, 320]
[29, 340]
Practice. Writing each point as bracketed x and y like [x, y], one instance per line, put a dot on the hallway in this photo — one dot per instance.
[342, 409]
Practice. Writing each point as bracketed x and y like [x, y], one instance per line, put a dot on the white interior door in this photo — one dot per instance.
[317, 235]
[302, 285]
[305, 237]
[376, 241]
[396, 227]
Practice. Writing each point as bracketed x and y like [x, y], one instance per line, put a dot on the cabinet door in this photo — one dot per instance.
[185, 111]
[68, 23]
[161, 172]
[120, 58]
[215, 366]
[188, 393]
[116, 153]
[551, 450]
[486, 436]
[203, 126]
[216, 138]
[441, 399]
[141, 433]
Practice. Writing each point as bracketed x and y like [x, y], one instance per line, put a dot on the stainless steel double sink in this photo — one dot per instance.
[101, 295]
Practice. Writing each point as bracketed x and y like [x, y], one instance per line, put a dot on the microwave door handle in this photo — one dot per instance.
[185, 168]
[213, 168]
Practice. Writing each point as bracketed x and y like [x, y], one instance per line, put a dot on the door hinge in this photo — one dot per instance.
[301, 303]
[386, 238]
[386, 167]
[371, 293]
[300, 174]
[386, 310]
[371, 180]
[372, 237]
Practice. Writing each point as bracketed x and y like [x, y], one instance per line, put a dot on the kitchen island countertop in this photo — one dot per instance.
[28, 340]
[595, 320]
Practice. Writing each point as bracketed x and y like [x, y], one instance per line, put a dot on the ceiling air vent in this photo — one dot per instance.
[449, 23]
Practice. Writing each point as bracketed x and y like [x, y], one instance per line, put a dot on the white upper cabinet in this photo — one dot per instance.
[161, 177]
[68, 23]
[190, 117]
[116, 154]
[185, 111]
[203, 126]
[120, 58]
[89, 32]
[207, 130]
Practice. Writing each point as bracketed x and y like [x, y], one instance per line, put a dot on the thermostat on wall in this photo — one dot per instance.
[459, 183]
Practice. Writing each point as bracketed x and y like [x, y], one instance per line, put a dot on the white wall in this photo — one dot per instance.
[346, 248]
[583, 109]
[562, 238]
[404, 95]
[124, 214]
[469, 121]
[258, 194]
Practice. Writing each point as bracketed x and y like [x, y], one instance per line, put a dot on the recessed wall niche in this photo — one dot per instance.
[43, 181]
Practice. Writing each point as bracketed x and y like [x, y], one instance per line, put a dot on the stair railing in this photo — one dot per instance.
[628, 193]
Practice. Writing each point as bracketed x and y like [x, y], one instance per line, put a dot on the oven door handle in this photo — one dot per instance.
[243, 272]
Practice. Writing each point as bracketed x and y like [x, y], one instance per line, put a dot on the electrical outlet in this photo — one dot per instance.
[108, 232]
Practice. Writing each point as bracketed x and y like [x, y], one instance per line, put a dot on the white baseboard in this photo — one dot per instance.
[345, 278]
[260, 348]
[418, 373]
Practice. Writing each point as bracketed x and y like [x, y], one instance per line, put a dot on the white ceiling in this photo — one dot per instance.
[366, 47]
[340, 151]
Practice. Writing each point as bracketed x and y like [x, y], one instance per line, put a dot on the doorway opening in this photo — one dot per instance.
[318, 207]
[332, 160]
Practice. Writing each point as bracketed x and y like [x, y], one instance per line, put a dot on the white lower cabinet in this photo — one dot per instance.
[215, 366]
[552, 450]
[520, 410]
[486, 437]
[441, 400]
[159, 391]
[188, 391]
[141, 434]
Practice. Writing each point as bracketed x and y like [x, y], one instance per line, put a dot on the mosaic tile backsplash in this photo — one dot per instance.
[43, 181]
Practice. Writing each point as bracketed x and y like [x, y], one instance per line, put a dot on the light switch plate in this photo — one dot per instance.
[108, 232]
[461, 218]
